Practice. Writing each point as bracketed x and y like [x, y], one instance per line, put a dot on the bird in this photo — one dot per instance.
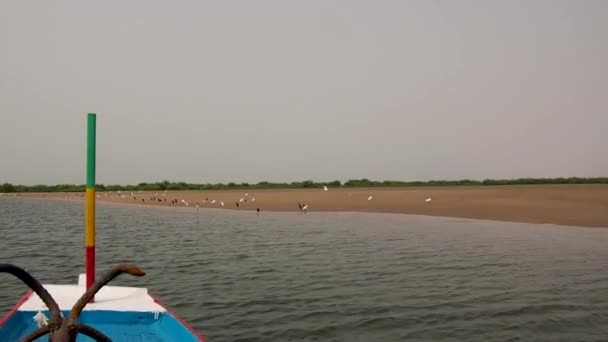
[253, 199]
[370, 198]
[258, 209]
[428, 199]
[212, 202]
[237, 204]
[222, 203]
[325, 188]
[241, 200]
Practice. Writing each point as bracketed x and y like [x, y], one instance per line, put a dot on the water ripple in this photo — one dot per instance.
[237, 276]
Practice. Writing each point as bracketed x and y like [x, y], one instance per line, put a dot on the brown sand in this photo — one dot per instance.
[577, 205]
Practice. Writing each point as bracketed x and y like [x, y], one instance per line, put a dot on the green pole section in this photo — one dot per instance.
[91, 123]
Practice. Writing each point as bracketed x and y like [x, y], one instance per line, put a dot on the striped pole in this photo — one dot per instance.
[90, 201]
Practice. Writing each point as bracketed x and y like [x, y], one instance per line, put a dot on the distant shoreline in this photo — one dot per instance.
[584, 205]
[307, 184]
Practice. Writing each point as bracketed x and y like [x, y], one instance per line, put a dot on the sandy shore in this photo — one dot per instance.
[577, 205]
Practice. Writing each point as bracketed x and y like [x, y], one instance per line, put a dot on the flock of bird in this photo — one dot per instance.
[157, 198]
[142, 197]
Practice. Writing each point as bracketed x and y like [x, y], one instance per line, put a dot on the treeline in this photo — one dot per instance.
[353, 183]
[518, 181]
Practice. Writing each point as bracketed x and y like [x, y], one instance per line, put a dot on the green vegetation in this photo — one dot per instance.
[353, 183]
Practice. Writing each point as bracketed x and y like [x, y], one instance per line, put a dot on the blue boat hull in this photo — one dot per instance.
[118, 326]
[124, 314]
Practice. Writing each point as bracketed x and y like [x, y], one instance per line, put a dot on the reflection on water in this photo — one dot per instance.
[236, 276]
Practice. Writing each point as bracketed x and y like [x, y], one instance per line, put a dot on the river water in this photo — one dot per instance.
[237, 276]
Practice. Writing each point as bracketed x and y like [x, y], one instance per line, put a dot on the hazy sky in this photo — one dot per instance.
[281, 90]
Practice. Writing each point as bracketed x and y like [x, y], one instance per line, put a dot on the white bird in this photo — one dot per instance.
[222, 203]
[253, 199]
[325, 188]
[184, 201]
[305, 207]
[241, 200]
[212, 201]
[370, 198]
[428, 199]
[246, 195]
